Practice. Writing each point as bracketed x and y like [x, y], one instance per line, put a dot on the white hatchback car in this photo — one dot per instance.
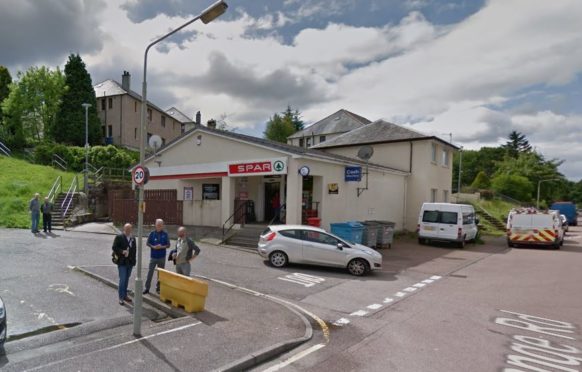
[282, 244]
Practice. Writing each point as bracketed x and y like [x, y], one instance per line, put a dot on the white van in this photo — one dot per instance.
[528, 226]
[447, 222]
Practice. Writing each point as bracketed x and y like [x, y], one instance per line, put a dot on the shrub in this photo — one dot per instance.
[99, 156]
[481, 181]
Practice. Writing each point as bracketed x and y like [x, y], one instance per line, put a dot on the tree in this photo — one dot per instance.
[517, 144]
[295, 118]
[70, 124]
[279, 128]
[517, 187]
[31, 106]
[5, 81]
[475, 161]
[481, 182]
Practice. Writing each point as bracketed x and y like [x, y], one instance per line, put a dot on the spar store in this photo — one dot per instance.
[221, 176]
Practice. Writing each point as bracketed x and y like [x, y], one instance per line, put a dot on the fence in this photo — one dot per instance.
[159, 204]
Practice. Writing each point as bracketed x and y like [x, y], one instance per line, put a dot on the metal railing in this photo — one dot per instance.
[55, 189]
[68, 200]
[5, 150]
[59, 162]
[95, 173]
[241, 210]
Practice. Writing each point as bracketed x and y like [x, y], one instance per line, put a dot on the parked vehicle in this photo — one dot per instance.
[3, 330]
[568, 209]
[532, 227]
[448, 223]
[283, 244]
[564, 220]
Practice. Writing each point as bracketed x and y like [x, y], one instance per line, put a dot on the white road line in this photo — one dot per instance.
[419, 285]
[117, 346]
[294, 358]
[341, 322]
[374, 306]
[307, 285]
[359, 313]
[387, 300]
[428, 281]
[400, 294]
[410, 289]
[435, 277]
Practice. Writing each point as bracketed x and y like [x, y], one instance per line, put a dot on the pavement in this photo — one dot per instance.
[60, 319]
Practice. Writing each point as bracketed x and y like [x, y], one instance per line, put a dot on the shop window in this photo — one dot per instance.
[210, 191]
[103, 105]
[321, 139]
[433, 195]
[110, 103]
[433, 152]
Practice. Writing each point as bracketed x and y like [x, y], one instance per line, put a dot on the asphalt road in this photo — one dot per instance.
[429, 309]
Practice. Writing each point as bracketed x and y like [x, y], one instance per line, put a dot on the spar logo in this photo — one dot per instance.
[257, 167]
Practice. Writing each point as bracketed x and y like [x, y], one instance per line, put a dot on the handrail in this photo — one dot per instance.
[278, 214]
[69, 198]
[60, 162]
[4, 149]
[236, 212]
[55, 189]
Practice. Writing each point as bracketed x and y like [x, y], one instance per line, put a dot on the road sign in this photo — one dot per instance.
[140, 175]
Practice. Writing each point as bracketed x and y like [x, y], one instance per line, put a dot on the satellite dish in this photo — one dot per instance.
[365, 152]
[155, 142]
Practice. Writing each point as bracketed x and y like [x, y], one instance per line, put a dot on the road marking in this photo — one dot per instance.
[410, 289]
[294, 358]
[113, 347]
[374, 306]
[387, 300]
[419, 285]
[303, 279]
[60, 288]
[341, 322]
[359, 313]
[435, 277]
[428, 281]
[400, 294]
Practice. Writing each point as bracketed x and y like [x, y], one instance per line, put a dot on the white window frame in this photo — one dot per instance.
[434, 195]
[446, 158]
[434, 153]
[445, 196]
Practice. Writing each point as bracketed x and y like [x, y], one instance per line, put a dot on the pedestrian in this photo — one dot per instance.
[158, 241]
[124, 256]
[186, 251]
[47, 215]
[34, 208]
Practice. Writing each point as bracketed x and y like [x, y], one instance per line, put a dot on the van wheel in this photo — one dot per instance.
[421, 241]
[358, 267]
[278, 259]
[461, 244]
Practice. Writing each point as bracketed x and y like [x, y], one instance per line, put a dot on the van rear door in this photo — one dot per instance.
[449, 227]
[429, 226]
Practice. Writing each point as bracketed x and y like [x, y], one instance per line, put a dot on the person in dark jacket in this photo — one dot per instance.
[125, 250]
[47, 215]
[186, 251]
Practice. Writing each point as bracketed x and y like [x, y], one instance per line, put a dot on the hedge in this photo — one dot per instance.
[99, 156]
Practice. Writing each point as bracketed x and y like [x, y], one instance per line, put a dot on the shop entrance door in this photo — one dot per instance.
[272, 200]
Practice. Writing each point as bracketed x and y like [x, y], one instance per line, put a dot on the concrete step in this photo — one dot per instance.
[243, 242]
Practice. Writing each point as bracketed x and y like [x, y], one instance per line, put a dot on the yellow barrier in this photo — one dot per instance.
[182, 291]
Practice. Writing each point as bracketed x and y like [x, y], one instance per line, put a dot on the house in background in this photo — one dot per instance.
[427, 160]
[188, 123]
[327, 129]
[119, 109]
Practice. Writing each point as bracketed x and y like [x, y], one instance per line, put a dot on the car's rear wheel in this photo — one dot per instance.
[358, 267]
[461, 244]
[278, 259]
[421, 241]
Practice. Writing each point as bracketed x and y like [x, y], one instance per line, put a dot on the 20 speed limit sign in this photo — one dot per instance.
[140, 175]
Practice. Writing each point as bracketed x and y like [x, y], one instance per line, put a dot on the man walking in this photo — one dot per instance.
[186, 252]
[47, 215]
[158, 241]
[34, 208]
[124, 253]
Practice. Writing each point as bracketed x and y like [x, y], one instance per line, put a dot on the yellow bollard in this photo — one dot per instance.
[183, 291]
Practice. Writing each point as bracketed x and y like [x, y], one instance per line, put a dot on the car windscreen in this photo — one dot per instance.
[430, 216]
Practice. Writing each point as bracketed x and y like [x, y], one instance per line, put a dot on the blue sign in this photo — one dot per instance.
[353, 174]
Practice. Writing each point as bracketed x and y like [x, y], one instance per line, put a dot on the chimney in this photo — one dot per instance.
[198, 118]
[126, 81]
[211, 124]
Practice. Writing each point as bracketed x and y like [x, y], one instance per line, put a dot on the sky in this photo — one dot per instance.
[475, 69]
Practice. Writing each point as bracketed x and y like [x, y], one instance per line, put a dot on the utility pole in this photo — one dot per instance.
[86, 177]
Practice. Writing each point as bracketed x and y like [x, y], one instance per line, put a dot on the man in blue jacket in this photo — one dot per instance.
[158, 241]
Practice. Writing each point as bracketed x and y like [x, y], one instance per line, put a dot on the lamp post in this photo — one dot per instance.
[460, 172]
[86, 177]
[539, 187]
[208, 15]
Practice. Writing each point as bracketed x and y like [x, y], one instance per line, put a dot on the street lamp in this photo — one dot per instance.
[86, 178]
[207, 16]
[539, 186]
